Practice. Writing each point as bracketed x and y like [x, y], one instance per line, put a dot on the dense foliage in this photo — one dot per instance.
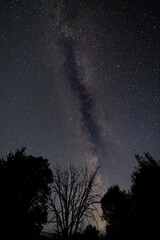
[25, 187]
[135, 214]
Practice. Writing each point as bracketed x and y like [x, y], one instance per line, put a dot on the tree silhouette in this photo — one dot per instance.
[135, 214]
[72, 199]
[117, 211]
[146, 196]
[90, 232]
[24, 186]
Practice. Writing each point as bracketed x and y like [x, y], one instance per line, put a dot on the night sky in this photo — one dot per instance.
[80, 82]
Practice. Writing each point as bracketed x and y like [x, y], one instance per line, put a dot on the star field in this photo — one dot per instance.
[80, 81]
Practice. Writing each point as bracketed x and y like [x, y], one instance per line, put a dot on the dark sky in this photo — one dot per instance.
[80, 81]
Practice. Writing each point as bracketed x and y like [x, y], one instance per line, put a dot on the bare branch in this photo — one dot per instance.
[72, 199]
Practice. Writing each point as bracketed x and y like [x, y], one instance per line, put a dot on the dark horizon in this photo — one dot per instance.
[66, 203]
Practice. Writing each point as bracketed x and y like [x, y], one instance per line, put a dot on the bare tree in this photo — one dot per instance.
[73, 199]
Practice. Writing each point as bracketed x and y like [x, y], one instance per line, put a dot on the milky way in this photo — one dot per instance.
[86, 101]
[80, 80]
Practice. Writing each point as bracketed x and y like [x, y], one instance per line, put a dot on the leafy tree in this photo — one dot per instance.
[72, 199]
[25, 187]
[117, 211]
[146, 196]
[135, 214]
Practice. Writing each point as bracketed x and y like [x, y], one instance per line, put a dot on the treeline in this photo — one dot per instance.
[135, 214]
[33, 195]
